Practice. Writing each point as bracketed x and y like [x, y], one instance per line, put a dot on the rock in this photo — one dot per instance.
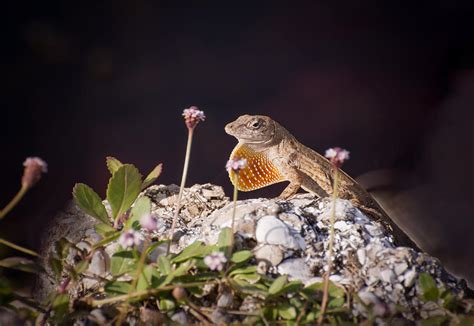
[296, 269]
[288, 237]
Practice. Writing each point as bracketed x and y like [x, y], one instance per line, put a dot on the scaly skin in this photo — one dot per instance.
[275, 155]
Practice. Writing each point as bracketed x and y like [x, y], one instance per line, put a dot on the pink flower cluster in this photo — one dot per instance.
[337, 156]
[192, 116]
[149, 222]
[34, 168]
[215, 261]
[130, 239]
[236, 164]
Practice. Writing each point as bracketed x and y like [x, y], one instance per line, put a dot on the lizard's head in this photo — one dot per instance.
[252, 129]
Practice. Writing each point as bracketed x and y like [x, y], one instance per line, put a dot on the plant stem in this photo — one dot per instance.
[19, 195]
[234, 199]
[141, 262]
[324, 302]
[181, 187]
[145, 293]
[19, 248]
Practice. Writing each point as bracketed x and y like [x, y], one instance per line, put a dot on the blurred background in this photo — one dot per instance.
[392, 82]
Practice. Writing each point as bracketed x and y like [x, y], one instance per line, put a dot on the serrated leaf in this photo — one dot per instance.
[89, 201]
[164, 265]
[430, 291]
[123, 189]
[278, 284]
[21, 264]
[241, 256]
[152, 176]
[141, 207]
[286, 311]
[225, 240]
[122, 262]
[117, 287]
[113, 164]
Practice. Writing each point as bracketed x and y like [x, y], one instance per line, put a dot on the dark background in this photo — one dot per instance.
[392, 82]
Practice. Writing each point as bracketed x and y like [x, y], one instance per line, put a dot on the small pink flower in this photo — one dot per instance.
[236, 164]
[149, 222]
[130, 238]
[337, 156]
[192, 116]
[215, 261]
[34, 168]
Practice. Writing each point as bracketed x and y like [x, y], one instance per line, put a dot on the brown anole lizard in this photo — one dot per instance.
[274, 155]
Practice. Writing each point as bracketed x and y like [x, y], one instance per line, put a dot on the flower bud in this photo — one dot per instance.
[34, 168]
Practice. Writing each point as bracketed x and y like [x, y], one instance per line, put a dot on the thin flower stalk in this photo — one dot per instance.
[19, 248]
[325, 299]
[336, 156]
[15, 200]
[181, 187]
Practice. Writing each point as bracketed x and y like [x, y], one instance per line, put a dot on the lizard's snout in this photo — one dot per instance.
[228, 128]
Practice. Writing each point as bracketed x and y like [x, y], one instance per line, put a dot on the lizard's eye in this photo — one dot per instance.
[255, 124]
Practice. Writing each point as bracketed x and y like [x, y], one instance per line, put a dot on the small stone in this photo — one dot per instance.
[400, 268]
[361, 256]
[387, 276]
[409, 277]
[341, 226]
[271, 230]
[180, 318]
[270, 253]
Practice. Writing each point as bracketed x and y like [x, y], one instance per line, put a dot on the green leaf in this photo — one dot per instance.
[118, 287]
[104, 229]
[336, 302]
[107, 240]
[145, 278]
[286, 311]
[113, 164]
[334, 290]
[60, 305]
[196, 249]
[434, 321]
[430, 291]
[141, 207]
[62, 247]
[21, 264]
[241, 256]
[164, 265]
[278, 284]
[56, 266]
[270, 313]
[154, 174]
[166, 305]
[123, 189]
[243, 270]
[122, 262]
[225, 240]
[82, 266]
[250, 278]
[6, 292]
[89, 201]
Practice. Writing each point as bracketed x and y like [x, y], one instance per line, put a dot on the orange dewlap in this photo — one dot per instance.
[260, 171]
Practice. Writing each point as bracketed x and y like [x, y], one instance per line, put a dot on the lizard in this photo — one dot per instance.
[274, 155]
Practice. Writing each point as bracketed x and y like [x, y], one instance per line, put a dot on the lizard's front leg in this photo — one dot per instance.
[296, 180]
